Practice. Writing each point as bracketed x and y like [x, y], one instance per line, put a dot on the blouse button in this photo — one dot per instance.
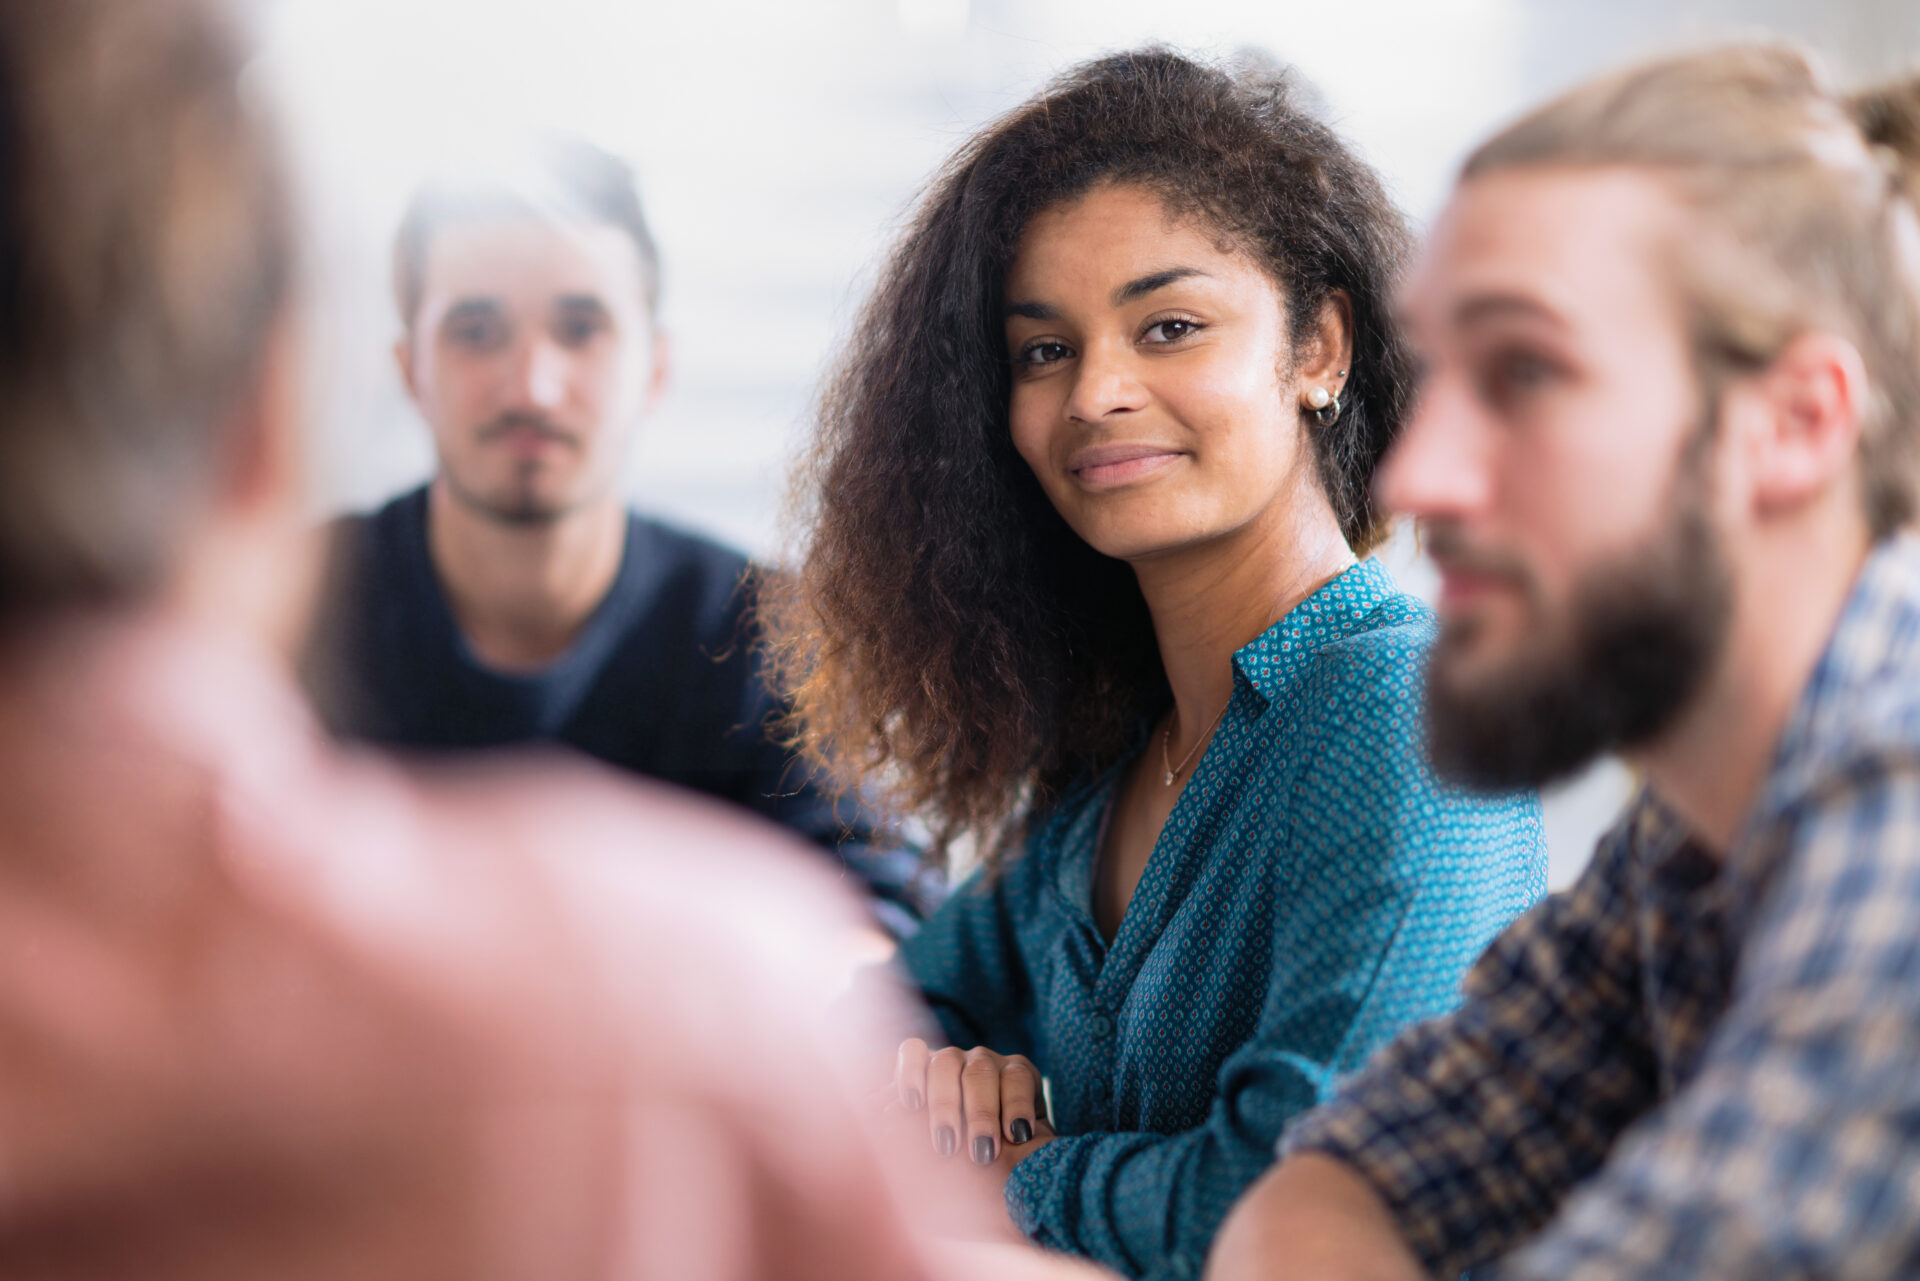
[1100, 1026]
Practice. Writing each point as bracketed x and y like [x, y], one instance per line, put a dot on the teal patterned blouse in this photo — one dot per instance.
[1314, 891]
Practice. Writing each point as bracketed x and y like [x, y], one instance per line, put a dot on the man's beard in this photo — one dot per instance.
[521, 500]
[1644, 632]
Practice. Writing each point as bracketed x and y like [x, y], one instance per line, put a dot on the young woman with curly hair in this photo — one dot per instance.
[1083, 585]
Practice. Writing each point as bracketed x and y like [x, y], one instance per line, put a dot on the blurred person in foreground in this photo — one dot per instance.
[515, 598]
[1090, 579]
[271, 1010]
[1665, 451]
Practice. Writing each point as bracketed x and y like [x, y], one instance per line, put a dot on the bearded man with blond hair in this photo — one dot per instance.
[1664, 456]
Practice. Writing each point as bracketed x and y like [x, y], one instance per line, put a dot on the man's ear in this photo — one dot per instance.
[403, 361]
[264, 465]
[661, 375]
[253, 563]
[1805, 438]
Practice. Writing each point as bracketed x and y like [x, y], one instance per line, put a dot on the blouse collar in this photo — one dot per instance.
[1340, 608]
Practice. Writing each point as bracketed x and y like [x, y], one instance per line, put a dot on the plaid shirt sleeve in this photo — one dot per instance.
[1474, 1127]
[1794, 1150]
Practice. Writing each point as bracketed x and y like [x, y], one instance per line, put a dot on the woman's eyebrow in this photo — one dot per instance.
[1138, 288]
[1155, 280]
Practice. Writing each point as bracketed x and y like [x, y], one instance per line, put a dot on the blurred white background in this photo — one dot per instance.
[780, 143]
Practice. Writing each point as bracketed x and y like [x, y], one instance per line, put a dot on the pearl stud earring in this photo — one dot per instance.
[1319, 398]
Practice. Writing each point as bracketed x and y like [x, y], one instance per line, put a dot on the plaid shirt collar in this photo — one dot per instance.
[1876, 634]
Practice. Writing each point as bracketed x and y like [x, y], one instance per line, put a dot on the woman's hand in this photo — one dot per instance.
[941, 1104]
[979, 1102]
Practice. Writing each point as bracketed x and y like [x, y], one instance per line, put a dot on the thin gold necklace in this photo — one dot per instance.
[1166, 737]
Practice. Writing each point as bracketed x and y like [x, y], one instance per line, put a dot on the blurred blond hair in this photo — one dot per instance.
[146, 252]
[1804, 219]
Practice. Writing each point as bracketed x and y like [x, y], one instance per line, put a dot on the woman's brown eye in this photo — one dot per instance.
[1170, 330]
[1045, 353]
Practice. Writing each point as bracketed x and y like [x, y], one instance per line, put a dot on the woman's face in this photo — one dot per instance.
[1151, 392]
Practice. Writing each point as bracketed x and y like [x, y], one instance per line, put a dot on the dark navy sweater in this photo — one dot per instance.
[662, 680]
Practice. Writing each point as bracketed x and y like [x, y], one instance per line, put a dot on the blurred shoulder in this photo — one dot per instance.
[367, 550]
[676, 965]
[384, 524]
[698, 580]
[640, 846]
[676, 547]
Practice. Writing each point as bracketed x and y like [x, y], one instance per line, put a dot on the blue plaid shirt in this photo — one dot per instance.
[1687, 1066]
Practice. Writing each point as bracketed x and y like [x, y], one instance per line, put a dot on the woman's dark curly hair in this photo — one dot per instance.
[946, 635]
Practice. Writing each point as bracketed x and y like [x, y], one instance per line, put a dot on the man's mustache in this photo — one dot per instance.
[507, 424]
[1450, 549]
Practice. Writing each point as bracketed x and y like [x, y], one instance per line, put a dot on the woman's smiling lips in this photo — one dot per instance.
[1113, 466]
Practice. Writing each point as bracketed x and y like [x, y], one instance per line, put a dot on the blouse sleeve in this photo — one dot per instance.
[965, 959]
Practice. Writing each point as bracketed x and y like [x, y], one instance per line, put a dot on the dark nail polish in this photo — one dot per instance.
[983, 1150]
[913, 1100]
[944, 1140]
[1022, 1130]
